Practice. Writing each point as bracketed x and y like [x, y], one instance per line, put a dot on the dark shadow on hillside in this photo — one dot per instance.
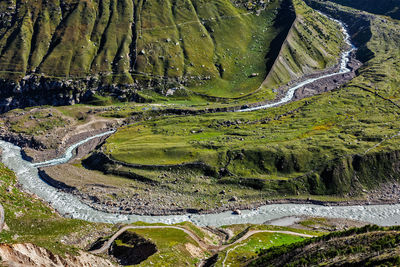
[389, 8]
[283, 21]
[359, 26]
[131, 249]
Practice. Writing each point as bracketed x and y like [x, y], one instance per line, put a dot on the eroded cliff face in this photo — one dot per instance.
[25, 255]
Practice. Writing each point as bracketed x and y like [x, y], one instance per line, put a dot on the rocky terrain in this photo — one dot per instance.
[32, 255]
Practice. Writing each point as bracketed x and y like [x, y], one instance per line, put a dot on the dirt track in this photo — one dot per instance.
[200, 242]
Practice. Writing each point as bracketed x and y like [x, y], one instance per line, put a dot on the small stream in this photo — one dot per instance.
[70, 206]
[344, 60]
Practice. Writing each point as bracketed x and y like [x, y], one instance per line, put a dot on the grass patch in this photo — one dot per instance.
[31, 221]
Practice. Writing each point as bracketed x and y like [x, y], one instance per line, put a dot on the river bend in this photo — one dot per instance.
[69, 205]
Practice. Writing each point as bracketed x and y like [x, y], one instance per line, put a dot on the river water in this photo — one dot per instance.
[344, 60]
[70, 206]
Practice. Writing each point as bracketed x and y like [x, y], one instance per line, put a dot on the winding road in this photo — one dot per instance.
[109, 242]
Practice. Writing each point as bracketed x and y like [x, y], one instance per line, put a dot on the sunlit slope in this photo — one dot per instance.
[66, 39]
[218, 48]
[367, 246]
[313, 43]
[125, 40]
[192, 133]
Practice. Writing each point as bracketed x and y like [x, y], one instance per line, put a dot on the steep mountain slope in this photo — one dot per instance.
[367, 246]
[64, 51]
[312, 43]
[77, 38]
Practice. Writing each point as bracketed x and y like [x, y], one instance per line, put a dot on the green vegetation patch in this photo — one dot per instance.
[239, 254]
[31, 221]
[366, 246]
[36, 122]
[175, 247]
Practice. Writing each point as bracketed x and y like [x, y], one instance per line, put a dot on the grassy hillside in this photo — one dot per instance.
[328, 145]
[367, 246]
[125, 40]
[220, 48]
[313, 43]
[29, 220]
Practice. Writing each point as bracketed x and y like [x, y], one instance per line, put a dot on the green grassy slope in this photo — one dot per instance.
[367, 246]
[240, 254]
[219, 48]
[313, 43]
[122, 40]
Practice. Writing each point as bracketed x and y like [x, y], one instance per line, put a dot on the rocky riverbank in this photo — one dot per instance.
[153, 200]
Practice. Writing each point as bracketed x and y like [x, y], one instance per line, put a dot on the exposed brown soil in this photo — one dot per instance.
[27, 255]
[328, 84]
[71, 136]
[44, 133]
